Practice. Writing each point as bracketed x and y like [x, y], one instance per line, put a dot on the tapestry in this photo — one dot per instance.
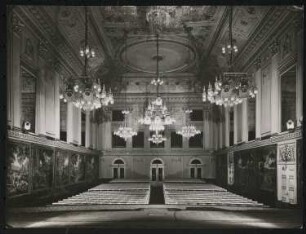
[61, 168]
[18, 168]
[255, 169]
[90, 167]
[42, 168]
[77, 168]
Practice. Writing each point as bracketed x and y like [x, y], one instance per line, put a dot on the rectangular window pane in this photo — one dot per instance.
[176, 140]
[138, 140]
[196, 141]
[117, 115]
[196, 115]
[118, 142]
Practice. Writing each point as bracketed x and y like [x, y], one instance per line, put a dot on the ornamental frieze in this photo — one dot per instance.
[17, 24]
[287, 152]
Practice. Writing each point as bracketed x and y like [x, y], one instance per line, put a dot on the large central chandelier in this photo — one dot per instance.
[156, 115]
[85, 92]
[189, 130]
[230, 88]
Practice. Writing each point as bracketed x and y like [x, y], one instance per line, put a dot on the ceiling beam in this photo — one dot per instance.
[103, 39]
[218, 32]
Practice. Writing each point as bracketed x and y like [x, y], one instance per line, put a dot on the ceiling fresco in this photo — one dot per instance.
[191, 33]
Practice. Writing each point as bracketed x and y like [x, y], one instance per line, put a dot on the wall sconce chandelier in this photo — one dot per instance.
[85, 92]
[230, 88]
[188, 130]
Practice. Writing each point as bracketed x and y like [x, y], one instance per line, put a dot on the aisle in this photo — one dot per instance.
[157, 195]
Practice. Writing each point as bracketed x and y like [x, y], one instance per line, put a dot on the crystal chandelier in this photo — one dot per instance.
[85, 92]
[232, 87]
[156, 115]
[124, 131]
[157, 138]
[188, 130]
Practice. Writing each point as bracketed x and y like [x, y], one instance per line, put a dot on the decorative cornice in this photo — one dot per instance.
[19, 136]
[259, 143]
[43, 49]
[274, 17]
[39, 27]
[257, 63]
[217, 34]
[155, 152]
[274, 46]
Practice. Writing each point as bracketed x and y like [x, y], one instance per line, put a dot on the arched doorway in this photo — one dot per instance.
[157, 170]
[196, 169]
[118, 170]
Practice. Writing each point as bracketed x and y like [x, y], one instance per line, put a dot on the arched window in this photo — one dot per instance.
[195, 161]
[157, 161]
[118, 161]
[118, 169]
[196, 169]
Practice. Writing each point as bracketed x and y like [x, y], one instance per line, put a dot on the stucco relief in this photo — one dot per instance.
[287, 152]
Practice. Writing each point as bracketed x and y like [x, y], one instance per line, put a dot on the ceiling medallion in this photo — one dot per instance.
[231, 87]
[85, 92]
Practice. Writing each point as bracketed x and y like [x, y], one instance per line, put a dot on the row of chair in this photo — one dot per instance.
[111, 194]
[205, 195]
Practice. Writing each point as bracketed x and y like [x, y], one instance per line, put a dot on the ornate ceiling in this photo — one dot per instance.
[193, 37]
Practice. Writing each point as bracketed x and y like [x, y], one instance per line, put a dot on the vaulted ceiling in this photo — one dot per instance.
[191, 40]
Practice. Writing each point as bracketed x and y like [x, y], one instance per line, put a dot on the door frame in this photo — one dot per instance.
[196, 166]
[157, 166]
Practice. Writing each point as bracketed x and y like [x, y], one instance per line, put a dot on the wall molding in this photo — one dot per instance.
[285, 136]
[155, 152]
[31, 138]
